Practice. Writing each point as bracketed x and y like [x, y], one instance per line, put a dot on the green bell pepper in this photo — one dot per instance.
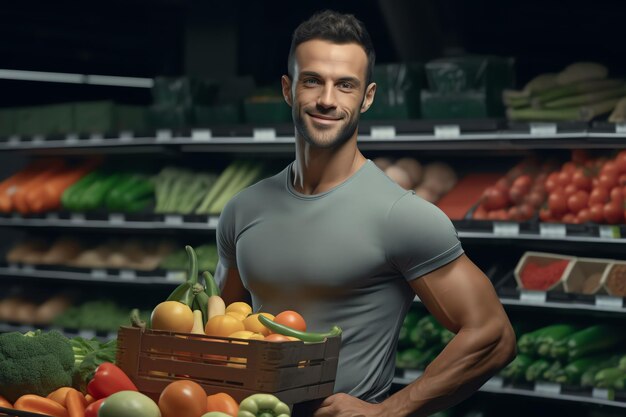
[263, 405]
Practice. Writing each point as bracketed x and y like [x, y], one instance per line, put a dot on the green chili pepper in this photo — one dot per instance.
[184, 293]
[263, 405]
[216, 414]
[304, 336]
[211, 286]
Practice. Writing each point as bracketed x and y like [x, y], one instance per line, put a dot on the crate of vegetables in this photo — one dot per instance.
[540, 271]
[294, 371]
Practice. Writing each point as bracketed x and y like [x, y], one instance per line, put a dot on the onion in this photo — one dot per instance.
[426, 193]
[400, 176]
[412, 167]
[439, 176]
[382, 163]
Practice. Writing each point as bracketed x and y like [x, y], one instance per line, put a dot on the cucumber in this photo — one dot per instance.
[610, 378]
[573, 371]
[556, 333]
[536, 369]
[516, 370]
[597, 338]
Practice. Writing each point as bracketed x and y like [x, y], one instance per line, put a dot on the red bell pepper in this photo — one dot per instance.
[108, 380]
[92, 409]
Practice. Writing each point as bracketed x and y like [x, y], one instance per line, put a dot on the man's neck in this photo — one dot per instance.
[318, 170]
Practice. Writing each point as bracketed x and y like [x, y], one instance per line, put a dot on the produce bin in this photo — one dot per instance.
[543, 259]
[614, 279]
[586, 276]
[295, 372]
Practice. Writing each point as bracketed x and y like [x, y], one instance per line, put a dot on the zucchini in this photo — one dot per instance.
[552, 372]
[573, 372]
[610, 378]
[516, 370]
[536, 369]
[527, 342]
[597, 338]
[545, 341]
[588, 377]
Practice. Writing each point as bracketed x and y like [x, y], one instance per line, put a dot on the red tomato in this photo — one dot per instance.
[275, 337]
[223, 403]
[578, 201]
[607, 181]
[503, 184]
[480, 213]
[613, 212]
[569, 218]
[535, 199]
[596, 212]
[569, 167]
[517, 194]
[609, 168]
[524, 182]
[564, 178]
[584, 215]
[545, 215]
[570, 189]
[183, 398]
[598, 195]
[525, 211]
[291, 319]
[557, 203]
[495, 199]
[621, 180]
[92, 409]
[551, 183]
[581, 180]
[617, 195]
[513, 213]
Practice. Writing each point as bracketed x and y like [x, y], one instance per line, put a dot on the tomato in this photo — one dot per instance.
[551, 183]
[535, 199]
[598, 195]
[621, 180]
[545, 215]
[578, 201]
[620, 162]
[480, 213]
[223, 403]
[570, 189]
[569, 218]
[525, 211]
[223, 325]
[557, 203]
[524, 182]
[607, 181]
[617, 195]
[609, 168]
[596, 212]
[513, 213]
[584, 215]
[183, 398]
[129, 404]
[92, 409]
[275, 337]
[253, 324]
[291, 319]
[564, 178]
[173, 316]
[495, 199]
[569, 167]
[613, 212]
[517, 194]
[581, 180]
[503, 184]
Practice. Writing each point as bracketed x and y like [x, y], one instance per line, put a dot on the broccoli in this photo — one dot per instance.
[34, 363]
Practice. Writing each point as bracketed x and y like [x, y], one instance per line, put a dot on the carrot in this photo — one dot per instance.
[42, 405]
[59, 395]
[5, 403]
[76, 404]
[19, 197]
[12, 184]
[48, 196]
[89, 399]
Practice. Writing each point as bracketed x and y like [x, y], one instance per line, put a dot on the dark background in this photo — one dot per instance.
[148, 38]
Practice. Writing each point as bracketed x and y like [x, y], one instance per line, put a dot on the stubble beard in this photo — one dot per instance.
[324, 139]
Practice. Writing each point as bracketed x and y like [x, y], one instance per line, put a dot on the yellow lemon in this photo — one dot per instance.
[240, 306]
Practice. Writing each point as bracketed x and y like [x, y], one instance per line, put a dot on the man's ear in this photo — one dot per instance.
[285, 81]
[369, 97]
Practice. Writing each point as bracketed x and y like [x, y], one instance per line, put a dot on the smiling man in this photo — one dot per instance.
[335, 239]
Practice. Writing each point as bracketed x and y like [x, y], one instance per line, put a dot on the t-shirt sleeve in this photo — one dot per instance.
[226, 249]
[420, 238]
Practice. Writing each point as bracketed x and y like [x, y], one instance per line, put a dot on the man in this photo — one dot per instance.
[335, 239]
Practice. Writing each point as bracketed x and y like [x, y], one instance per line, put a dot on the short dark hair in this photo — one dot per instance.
[335, 27]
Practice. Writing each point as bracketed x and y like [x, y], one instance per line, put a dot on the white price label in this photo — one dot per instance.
[126, 136]
[28, 269]
[620, 128]
[96, 137]
[173, 219]
[264, 133]
[128, 274]
[552, 230]
[213, 220]
[383, 132]
[117, 218]
[175, 276]
[603, 394]
[494, 383]
[77, 218]
[412, 374]
[610, 232]
[533, 297]
[548, 388]
[542, 129]
[14, 140]
[447, 131]
[163, 135]
[99, 273]
[505, 229]
[87, 334]
[71, 138]
[52, 216]
[201, 134]
[38, 139]
[607, 301]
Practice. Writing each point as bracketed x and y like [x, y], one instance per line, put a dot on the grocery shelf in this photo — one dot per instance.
[497, 385]
[118, 276]
[84, 333]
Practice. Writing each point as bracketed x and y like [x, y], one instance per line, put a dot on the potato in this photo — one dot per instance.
[413, 168]
[400, 176]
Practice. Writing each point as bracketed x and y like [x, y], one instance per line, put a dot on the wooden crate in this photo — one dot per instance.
[9, 412]
[295, 372]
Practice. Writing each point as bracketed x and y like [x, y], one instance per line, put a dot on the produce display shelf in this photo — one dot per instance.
[497, 385]
[84, 333]
[118, 276]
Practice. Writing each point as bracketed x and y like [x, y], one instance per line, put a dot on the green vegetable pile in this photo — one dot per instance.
[98, 315]
[34, 363]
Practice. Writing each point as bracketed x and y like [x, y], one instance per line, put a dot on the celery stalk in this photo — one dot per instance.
[222, 181]
[244, 181]
[574, 89]
[582, 113]
[588, 98]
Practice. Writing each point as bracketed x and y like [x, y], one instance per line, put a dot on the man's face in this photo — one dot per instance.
[328, 91]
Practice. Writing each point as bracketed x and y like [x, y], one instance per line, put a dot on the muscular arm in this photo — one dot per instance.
[462, 299]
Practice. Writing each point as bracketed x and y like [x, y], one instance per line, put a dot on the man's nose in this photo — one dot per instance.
[327, 97]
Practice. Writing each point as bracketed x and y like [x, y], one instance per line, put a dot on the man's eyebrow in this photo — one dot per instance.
[352, 80]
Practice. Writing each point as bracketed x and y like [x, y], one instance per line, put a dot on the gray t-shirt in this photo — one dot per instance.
[340, 257]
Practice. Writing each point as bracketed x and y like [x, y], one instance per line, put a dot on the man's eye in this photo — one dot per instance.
[311, 81]
[346, 86]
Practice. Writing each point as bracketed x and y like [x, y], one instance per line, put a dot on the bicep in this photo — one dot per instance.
[459, 295]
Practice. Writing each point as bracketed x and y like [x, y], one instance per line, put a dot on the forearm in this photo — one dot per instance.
[469, 360]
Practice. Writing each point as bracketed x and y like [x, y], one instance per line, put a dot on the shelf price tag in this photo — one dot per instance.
[38, 140]
[117, 218]
[533, 297]
[173, 219]
[552, 230]
[77, 218]
[96, 137]
[505, 229]
[71, 139]
[620, 128]
[28, 269]
[175, 276]
[607, 301]
[52, 216]
[213, 220]
[447, 131]
[264, 133]
[201, 135]
[610, 232]
[543, 129]
[163, 135]
[383, 132]
[494, 383]
[99, 273]
[412, 374]
[87, 334]
[548, 388]
[128, 274]
[14, 140]
[126, 136]
[603, 394]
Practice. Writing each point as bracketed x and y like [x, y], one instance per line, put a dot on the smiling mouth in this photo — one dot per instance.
[323, 119]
